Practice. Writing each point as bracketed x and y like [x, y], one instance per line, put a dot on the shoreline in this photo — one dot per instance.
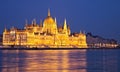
[52, 48]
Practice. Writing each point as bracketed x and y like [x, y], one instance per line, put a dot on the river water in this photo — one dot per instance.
[80, 60]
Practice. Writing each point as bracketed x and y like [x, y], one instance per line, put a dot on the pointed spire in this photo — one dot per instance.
[48, 12]
[34, 21]
[80, 32]
[12, 28]
[65, 25]
[5, 30]
[55, 20]
[26, 22]
[65, 21]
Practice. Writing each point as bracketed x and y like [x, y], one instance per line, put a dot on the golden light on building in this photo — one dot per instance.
[47, 34]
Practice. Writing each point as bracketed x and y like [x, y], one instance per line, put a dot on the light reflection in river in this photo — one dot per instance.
[59, 60]
[53, 61]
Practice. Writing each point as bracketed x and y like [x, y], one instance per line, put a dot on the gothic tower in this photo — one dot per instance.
[65, 31]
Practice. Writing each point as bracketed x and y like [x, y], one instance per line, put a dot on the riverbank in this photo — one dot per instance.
[52, 48]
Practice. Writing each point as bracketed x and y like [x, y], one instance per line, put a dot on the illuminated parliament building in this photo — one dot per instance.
[45, 34]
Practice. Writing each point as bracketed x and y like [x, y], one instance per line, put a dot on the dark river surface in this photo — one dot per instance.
[78, 60]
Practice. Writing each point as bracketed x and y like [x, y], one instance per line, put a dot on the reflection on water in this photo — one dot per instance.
[103, 60]
[82, 60]
[9, 61]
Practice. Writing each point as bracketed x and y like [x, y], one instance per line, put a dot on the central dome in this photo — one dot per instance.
[49, 19]
[49, 25]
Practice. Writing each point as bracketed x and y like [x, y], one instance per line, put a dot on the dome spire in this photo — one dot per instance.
[48, 12]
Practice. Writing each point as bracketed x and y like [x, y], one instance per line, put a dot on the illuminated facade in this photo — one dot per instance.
[45, 34]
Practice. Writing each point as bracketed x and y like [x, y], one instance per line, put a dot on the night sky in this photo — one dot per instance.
[100, 17]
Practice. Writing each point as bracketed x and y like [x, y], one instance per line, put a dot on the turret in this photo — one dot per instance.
[80, 32]
[5, 30]
[40, 23]
[34, 22]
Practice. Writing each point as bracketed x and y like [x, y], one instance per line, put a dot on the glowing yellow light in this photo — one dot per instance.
[48, 35]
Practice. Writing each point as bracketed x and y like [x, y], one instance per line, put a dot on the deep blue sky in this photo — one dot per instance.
[101, 17]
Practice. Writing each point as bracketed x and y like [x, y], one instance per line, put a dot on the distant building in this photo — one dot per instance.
[44, 34]
[97, 41]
